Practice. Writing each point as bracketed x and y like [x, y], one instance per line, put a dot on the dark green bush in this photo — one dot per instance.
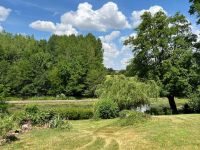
[106, 109]
[32, 109]
[74, 113]
[7, 124]
[33, 115]
[159, 110]
[194, 102]
[3, 106]
[128, 117]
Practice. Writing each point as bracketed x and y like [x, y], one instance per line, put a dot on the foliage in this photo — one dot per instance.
[58, 122]
[159, 110]
[7, 123]
[32, 109]
[164, 51]
[106, 109]
[3, 106]
[74, 113]
[127, 92]
[63, 65]
[34, 116]
[194, 102]
[128, 117]
[195, 9]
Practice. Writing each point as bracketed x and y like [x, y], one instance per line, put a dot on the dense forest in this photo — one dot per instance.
[69, 65]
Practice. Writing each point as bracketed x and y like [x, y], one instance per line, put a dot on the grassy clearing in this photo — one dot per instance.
[161, 132]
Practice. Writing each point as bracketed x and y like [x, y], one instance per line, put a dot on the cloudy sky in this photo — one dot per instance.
[111, 21]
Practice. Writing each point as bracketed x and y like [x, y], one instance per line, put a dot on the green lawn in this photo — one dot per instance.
[180, 132]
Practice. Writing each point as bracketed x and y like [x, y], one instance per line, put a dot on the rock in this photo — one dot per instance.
[26, 127]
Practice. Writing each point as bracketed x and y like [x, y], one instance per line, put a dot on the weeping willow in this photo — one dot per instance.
[127, 92]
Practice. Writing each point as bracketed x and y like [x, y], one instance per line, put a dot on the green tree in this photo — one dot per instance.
[72, 65]
[195, 9]
[127, 92]
[163, 52]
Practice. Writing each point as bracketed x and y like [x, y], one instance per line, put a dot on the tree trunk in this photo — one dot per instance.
[172, 104]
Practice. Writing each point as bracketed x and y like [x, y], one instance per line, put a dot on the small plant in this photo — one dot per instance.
[128, 117]
[61, 96]
[32, 109]
[6, 124]
[106, 109]
[3, 106]
[58, 122]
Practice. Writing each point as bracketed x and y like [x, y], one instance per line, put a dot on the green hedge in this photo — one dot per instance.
[74, 113]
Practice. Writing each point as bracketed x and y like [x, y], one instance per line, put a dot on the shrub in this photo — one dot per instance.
[3, 106]
[35, 116]
[194, 102]
[106, 109]
[128, 117]
[159, 110]
[74, 113]
[58, 122]
[7, 123]
[127, 92]
[32, 109]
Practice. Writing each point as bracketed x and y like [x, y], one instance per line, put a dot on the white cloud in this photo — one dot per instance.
[4, 13]
[196, 31]
[85, 18]
[43, 25]
[111, 50]
[136, 15]
[58, 29]
[116, 55]
[62, 29]
[125, 61]
[103, 19]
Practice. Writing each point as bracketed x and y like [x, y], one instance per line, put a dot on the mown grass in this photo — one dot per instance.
[180, 132]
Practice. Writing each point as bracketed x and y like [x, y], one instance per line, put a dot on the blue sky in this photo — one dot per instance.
[111, 21]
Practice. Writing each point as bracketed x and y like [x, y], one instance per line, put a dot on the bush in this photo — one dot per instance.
[159, 110]
[3, 106]
[128, 117]
[127, 92]
[33, 115]
[7, 123]
[58, 122]
[32, 109]
[194, 102]
[74, 113]
[106, 109]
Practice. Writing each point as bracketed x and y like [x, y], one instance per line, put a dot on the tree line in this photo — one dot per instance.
[69, 65]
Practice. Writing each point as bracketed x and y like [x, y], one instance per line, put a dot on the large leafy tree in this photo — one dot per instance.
[195, 9]
[163, 51]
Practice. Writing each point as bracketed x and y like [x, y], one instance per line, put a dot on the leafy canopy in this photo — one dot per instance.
[127, 92]
[163, 51]
[195, 9]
